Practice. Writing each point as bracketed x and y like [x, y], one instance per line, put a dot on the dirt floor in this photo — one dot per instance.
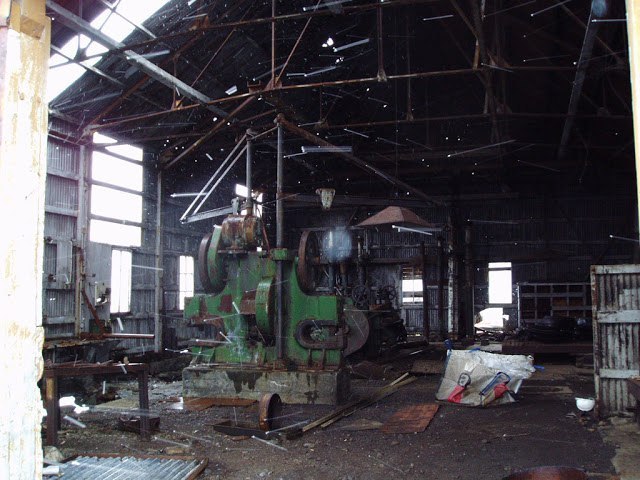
[542, 428]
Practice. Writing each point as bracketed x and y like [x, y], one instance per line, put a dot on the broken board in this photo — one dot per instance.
[197, 404]
[412, 419]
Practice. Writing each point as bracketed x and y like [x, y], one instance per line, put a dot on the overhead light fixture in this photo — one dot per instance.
[232, 90]
[327, 149]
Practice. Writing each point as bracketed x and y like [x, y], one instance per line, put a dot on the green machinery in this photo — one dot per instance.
[250, 348]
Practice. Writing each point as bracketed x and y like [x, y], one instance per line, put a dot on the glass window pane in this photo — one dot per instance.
[111, 203]
[129, 151]
[120, 281]
[115, 233]
[108, 169]
[185, 279]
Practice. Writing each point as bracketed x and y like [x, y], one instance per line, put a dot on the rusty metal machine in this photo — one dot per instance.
[248, 349]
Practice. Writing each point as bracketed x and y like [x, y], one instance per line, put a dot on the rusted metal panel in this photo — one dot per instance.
[616, 329]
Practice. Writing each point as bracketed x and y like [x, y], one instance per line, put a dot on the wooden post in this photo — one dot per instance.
[24, 56]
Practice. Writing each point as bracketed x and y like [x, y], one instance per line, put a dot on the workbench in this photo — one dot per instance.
[73, 369]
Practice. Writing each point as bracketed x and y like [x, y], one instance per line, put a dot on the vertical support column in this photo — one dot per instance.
[81, 235]
[425, 293]
[633, 32]
[24, 57]
[442, 321]
[157, 321]
[279, 241]
[467, 325]
[248, 182]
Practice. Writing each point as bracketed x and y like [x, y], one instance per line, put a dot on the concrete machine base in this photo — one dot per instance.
[323, 387]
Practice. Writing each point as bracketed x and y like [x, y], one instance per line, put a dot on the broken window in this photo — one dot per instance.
[411, 285]
[120, 281]
[185, 280]
[116, 199]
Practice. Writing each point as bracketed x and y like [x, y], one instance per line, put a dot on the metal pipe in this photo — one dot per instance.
[157, 343]
[217, 172]
[273, 43]
[381, 76]
[210, 134]
[279, 243]
[248, 174]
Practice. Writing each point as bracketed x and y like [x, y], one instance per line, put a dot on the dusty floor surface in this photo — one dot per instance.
[542, 428]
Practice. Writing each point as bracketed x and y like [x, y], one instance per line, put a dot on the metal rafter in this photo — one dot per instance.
[78, 24]
[366, 166]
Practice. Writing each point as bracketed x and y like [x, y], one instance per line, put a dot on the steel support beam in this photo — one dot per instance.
[79, 25]
[576, 91]
[367, 167]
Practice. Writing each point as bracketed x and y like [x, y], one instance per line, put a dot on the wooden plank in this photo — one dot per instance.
[412, 419]
[357, 404]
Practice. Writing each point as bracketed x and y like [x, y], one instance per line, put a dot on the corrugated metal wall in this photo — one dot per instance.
[616, 328]
[61, 211]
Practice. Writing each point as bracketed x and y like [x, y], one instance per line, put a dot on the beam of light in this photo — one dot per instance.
[538, 166]
[510, 8]
[549, 8]
[351, 45]
[437, 18]
[479, 148]
[627, 239]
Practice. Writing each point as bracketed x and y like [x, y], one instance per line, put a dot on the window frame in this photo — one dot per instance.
[183, 293]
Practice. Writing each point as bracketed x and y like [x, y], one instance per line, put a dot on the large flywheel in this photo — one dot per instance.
[308, 269]
[210, 264]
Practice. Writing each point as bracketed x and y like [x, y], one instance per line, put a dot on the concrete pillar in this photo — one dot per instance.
[24, 55]
[633, 32]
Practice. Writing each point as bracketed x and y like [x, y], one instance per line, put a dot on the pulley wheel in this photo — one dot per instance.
[269, 411]
[308, 269]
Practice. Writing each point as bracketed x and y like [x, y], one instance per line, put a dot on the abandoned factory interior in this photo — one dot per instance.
[320, 239]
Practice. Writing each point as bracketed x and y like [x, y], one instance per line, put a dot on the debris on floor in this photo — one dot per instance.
[412, 419]
[97, 467]
[476, 378]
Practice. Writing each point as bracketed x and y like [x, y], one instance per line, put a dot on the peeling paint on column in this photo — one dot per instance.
[23, 133]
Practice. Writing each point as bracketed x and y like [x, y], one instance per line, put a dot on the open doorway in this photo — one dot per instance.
[500, 294]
